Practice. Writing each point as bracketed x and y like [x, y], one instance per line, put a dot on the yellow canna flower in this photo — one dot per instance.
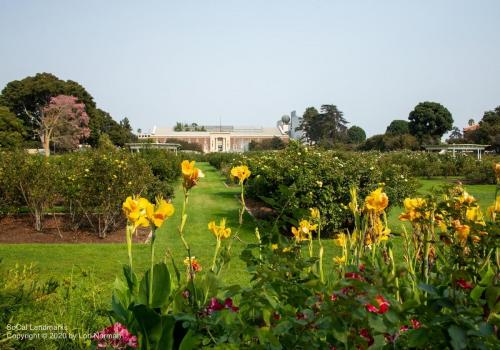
[314, 213]
[341, 240]
[159, 213]
[241, 173]
[190, 173]
[412, 209]
[462, 231]
[304, 231]
[220, 231]
[340, 260]
[377, 200]
[466, 198]
[135, 210]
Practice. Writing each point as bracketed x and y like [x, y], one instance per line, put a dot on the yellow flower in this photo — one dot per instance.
[495, 208]
[497, 171]
[190, 173]
[314, 213]
[412, 209]
[241, 172]
[274, 246]
[159, 213]
[135, 211]
[474, 214]
[341, 240]
[377, 200]
[220, 231]
[466, 198]
[340, 260]
[304, 231]
[462, 231]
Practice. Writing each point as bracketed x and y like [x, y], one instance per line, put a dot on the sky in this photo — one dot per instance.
[250, 62]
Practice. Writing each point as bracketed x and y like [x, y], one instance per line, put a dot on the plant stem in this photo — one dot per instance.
[214, 261]
[153, 237]
[128, 234]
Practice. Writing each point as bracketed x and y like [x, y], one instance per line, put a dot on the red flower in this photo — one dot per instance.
[354, 276]
[464, 284]
[276, 316]
[403, 328]
[365, 334]
[383, 306]
[228, 304]
[362, 267]
[333, 297]
[415, 324]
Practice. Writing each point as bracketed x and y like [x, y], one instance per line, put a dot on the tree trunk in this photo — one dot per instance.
[46, 145]
[38, 220]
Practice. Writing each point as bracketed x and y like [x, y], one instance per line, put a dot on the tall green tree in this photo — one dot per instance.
[328, 127]
[12, 130]
[398, 127]
[429, 121]
[356, 135]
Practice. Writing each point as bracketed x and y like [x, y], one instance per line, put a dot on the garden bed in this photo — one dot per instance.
[20, 229]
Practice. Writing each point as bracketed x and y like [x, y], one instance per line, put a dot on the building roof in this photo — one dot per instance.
[233, 130]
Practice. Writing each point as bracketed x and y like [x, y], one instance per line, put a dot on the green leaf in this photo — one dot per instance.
[190, 341]
[476, 293]
[427, 288]
[492, 296]
[161, 287]
[130, 278]
[458, 337]
[157, 330]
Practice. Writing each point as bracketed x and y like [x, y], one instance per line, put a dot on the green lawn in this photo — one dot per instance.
[210, 200]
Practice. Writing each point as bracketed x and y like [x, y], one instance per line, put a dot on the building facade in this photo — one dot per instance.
[219, 138]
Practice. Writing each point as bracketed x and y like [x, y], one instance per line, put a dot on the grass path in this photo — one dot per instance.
[209, 200]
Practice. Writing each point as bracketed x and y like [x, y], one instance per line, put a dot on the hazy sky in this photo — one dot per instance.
[249, 62]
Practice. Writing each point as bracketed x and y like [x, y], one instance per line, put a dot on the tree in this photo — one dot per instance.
[63, 120]
[12, 130]
[456, 136]
[429, 121]
[328, 127]
[488, 131]
[27, 97]
[356, 135]
[390, 142]
[309, 124]
[398, 127]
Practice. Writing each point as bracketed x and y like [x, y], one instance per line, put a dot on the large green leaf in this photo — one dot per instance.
[161, 287]
[458, 337]
[157, 331]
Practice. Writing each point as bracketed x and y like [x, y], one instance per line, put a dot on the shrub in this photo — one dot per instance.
[94, 183]
[34, 179]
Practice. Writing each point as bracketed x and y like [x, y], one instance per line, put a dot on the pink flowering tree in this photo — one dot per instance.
[64, 121]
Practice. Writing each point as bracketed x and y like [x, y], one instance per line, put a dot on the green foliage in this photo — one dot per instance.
[188, 127]
[12, 130]
[299, 177]
[326, 128]
[429, 121]
[489, 130]
[71, 303]
[390, 142]
[91, 185]
[398, 127]
[274, 143]
[30, 180]
[27, 97]
[356, 135]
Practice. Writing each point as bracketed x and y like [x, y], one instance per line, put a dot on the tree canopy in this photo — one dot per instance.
[488, 131]
[429, 121]
[328, 127]
[356, 135]
[12, 130]
[27, 97]
[398, 127]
